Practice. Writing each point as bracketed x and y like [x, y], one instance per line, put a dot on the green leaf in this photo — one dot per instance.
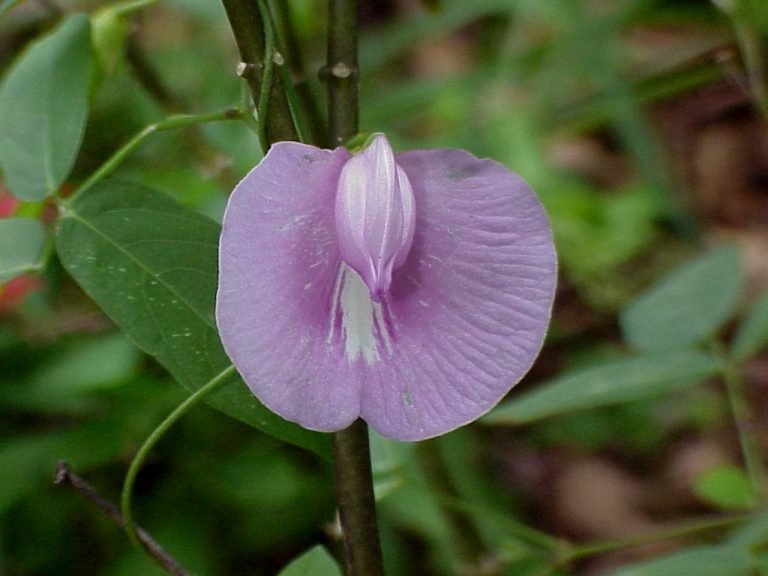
[43, 110]
[315, 562]
[701, 561]
[727, 487]
[752, 334]
[151, 265]
[612, 382]
[688, 306]
[21, 246]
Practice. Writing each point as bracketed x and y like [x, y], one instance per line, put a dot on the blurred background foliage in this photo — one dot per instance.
[639, 124]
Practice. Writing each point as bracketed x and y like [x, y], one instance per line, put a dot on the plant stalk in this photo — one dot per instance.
[469, 549]
[65, 477]
[743, 419]
[308, 105]
[357, 505]
[753, 51]
[341, 74]
[247, 26]
[133, 470]
[170, 123]
[351, 449]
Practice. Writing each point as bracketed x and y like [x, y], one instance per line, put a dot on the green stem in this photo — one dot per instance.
[245, 19]
[307, 106]
[742, 416]
[690, 529]
[351, 450]
[262, 105]
[274, 62]
[65, 477]
[341, 71]
[173, 122]
[357, 505]
[753, 53]
[516, 529]
[470, 551]
[125, 498]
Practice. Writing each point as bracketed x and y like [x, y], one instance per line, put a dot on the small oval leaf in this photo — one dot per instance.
[688, 306]
[726, 487]
[43, 110]
[613, 382]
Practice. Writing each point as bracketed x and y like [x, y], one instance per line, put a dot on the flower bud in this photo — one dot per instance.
[375, 215]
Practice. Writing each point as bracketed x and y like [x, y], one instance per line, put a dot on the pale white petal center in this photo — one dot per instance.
[360, 319]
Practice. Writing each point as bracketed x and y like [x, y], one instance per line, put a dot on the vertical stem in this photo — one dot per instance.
[742, 415]
[357, 506]
[755, 63]
[309, 105]
[352, 455]
[341, 71]
[248, 28]
[470, 552]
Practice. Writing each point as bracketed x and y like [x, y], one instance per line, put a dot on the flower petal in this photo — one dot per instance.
[469, 309]
[374, 215]
[279, 262]
[465, 316]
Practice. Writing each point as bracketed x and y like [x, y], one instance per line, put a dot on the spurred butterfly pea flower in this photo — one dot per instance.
[411, 290]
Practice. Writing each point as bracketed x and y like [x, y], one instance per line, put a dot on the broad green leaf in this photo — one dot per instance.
[752, 334]
[43, 110]
[612, 382]
[688, 306]
[151, 265]
[701, 561]
[727, 487]
[21, 246]
[315, 562]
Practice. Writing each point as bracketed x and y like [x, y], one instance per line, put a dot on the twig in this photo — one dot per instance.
[248, 28]
[351, 450]
[742, 416]
[133, 470]
[173, 122]
[341, 72]
[308, 106]
[689, 529]
[470, 551]
[753, 54]
[65, 477]
[357, 505]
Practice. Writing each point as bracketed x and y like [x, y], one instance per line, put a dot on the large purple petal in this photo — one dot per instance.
[469, 310]
[278, 265]
[464, 320]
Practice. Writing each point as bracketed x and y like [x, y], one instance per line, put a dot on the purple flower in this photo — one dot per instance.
[411, 290]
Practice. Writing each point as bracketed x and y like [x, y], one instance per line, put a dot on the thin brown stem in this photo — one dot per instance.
[309, 106]
[472, 557]
[357, 505]
[65, 477]
[249, 32]
[341, 73]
